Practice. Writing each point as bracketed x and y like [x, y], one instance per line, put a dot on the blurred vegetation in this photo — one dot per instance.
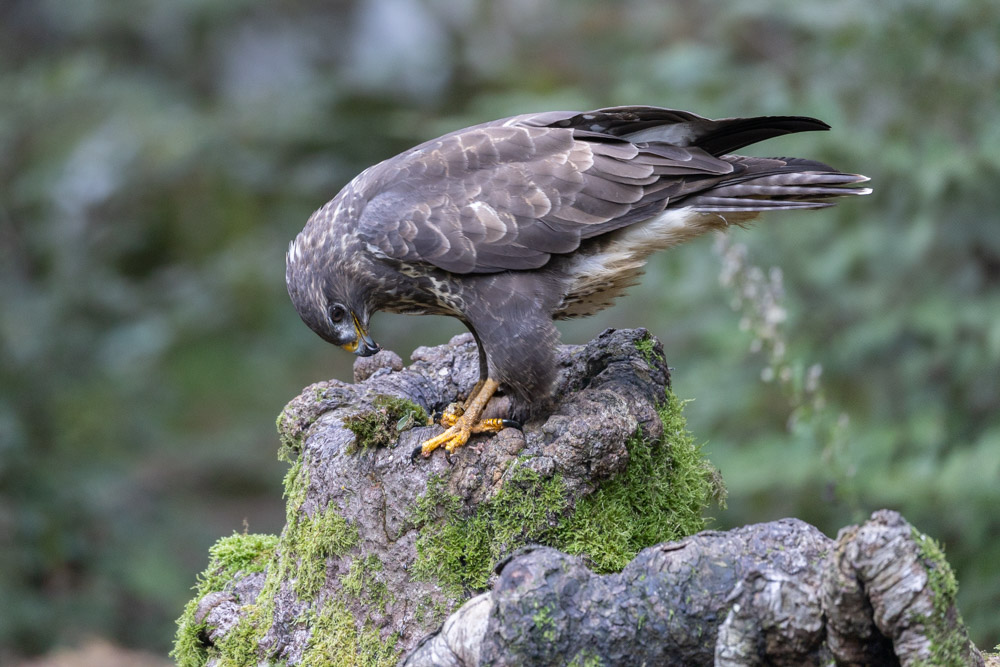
[156, 157]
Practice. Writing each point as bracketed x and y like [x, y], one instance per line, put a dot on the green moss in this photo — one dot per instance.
[437, 610]
[290, 446]
[647, 346]
[247, 553]
[336, 641]
[295, 419]
[315, 539]
[659, 497]
[459, 551]
[239, 646]
[586, 658]
[296, 483]
[380, 426]
[949, 642]
[338, 637]
[309, 541]
[299, 556]
[362, 583]
[229, 556]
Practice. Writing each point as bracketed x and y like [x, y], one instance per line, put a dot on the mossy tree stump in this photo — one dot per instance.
[379, 549]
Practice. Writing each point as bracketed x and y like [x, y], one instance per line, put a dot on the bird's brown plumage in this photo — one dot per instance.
[509, 224]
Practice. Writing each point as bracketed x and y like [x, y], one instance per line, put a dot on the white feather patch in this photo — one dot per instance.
[616, 261]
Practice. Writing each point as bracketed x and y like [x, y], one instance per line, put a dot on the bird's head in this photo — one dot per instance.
[328, 300]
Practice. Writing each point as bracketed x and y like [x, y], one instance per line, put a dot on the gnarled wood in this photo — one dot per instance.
[778, 593]
[363, 572]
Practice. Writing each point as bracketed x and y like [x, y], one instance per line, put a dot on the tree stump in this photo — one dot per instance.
[381, 548]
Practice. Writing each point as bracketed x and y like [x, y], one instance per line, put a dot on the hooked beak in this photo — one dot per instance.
[363, 345]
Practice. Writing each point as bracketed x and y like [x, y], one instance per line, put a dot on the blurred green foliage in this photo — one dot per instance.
[156, 157]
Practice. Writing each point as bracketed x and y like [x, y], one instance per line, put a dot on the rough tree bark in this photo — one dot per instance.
[779, 593]
[379, 549]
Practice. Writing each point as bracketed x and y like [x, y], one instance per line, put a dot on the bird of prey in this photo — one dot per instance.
[511, 224]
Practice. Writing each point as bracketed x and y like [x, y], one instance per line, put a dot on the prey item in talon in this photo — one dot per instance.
[514, 223]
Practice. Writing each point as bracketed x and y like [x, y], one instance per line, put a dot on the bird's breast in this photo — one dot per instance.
[417, 290]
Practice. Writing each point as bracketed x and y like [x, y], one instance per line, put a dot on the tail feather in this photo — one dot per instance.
[730, 204]
[770, 184]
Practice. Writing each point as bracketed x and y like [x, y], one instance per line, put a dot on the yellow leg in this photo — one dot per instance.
[454, 411]
[467, 423]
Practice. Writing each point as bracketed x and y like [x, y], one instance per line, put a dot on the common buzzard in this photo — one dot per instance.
[513, 223]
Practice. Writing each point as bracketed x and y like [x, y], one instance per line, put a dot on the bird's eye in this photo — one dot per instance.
[337, 313]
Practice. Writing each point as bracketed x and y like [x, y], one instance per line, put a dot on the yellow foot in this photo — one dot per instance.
[456, 410]
[453, 438]
[451, 414]
[463, 422]
[458, 434]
